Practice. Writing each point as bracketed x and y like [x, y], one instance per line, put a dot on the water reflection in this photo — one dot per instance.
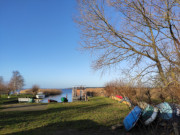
[58, 97]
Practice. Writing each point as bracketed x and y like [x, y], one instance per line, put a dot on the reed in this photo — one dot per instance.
[96, 91]
[26, 91]
[47, 92]
[140, 93]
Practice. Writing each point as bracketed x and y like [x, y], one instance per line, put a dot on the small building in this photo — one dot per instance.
[78, 93]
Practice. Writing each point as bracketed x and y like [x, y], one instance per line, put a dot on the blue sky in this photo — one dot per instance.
[40, 40]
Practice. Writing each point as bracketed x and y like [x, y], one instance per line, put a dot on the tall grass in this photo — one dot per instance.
[50, 91]
[96, 91]
[140, 93]
[47, 92]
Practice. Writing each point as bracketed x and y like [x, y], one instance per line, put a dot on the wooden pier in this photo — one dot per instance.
[79, 94]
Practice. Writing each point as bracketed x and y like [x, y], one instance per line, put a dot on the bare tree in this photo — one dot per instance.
[16, 82]
[4, 89]
[144, 33]
[35, 89]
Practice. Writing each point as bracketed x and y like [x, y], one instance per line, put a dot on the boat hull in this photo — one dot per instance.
[176, 112]
[63, 99]
[40, 96]
[51, 100]
[132, 118]
[152, 117]
[165, 111]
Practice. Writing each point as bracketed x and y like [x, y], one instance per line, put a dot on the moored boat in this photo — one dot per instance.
[40, 95]
[64, 99]
[26, 100]
[165, 111]
[51, 100]
[149, 114]
[131, 119]
[176, 111]
[118, 96]
[126, 101]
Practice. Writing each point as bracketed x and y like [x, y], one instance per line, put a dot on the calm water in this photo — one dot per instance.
[58, 97]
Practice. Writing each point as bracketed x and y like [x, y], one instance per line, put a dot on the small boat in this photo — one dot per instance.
[176, 111]
[116, 98]
[40, 95]
[63, 99]
[26, 100]
[126, 101]
[31, 100]
[51, 100]
[149, 114]
[119, 96]
[131, 119]
[165, 111]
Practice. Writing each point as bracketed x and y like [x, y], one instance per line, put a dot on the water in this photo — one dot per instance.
[58, 97]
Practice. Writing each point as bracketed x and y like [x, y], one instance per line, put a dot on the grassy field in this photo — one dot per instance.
[97, 113]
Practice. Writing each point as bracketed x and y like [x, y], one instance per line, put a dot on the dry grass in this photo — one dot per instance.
[26, 91]
[96, 91]
[150, 95]
[50, 91]
[45, 91]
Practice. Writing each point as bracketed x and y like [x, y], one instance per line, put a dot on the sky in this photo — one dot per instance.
[40, 39]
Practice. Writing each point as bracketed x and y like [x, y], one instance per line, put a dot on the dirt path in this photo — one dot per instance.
[23, 107]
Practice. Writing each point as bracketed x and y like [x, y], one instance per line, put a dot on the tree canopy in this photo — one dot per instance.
[144, 33]
[17, 81]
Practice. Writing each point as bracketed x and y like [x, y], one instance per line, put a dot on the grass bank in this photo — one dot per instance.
[94, 114]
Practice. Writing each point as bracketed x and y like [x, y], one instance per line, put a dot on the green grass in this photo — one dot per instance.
[96, 113]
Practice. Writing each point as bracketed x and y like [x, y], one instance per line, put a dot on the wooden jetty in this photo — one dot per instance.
[79, 93]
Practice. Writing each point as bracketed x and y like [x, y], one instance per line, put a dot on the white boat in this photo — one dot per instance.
[149, 112]
[166, 111]
[40, 95]
[26, 100]
[153, 116]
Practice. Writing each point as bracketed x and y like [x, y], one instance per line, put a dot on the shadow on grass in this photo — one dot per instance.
[80, 127]
[24, 105]
[59, 119]
[8, 101]
[14, 118]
